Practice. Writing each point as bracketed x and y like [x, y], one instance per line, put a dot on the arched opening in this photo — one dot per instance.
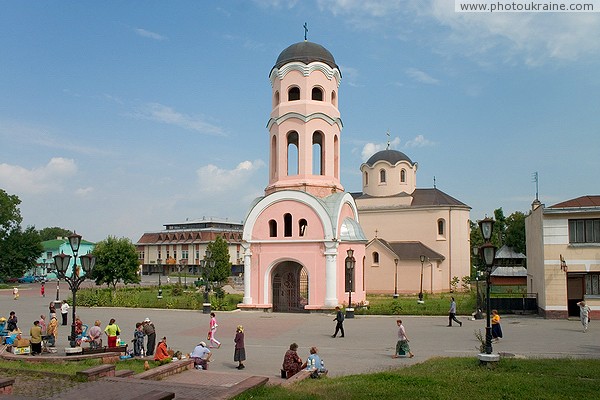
[375, 257]
[292, 153]
[336, 157]
[273, 168]
[441, 227]
[317, 153]
[334, 98]
[366, 178]
[294, 94]
[317, 94]
[403, 175]
[287, 225]
[382, 176]
[272, 228]
[302, 224]
[276, 99]
[290, 287]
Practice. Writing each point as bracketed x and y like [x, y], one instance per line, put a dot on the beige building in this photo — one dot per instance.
[181, 246]
[403, 223]
[563, 256]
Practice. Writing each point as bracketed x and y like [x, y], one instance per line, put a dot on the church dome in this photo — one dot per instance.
[305, 52]
[391, 156]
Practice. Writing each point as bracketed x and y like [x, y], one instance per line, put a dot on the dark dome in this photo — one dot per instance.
[305, 52]
[391, 156]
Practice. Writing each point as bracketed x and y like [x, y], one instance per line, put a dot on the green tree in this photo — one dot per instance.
[515, 231]
[19, 248]
[53, 233]
[116, 261]
[220, 253]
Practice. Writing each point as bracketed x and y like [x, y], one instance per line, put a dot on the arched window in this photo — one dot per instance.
[317, 94]
[441, 226]
[292, 153]
[287, 225]
[336, 157]
[302, 224]
[273, 157]
[276, 99]
[375, 257]
[382, 176]
[272, 228]
[317, 153]
[294, 94]
[334, 98]
[366, 178]
[403, 175]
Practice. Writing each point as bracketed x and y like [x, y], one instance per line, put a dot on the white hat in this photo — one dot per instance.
[202, 344]
[146, 320]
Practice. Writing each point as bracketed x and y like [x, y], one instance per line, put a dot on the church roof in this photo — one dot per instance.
[421, 198]
[579, 202]
[509, 253]
[410, 250]
[305, 52]
[391, 156]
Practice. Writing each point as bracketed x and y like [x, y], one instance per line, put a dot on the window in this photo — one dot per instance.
[403, 175]
[592, 284]
[441, 227]
[317, 153]
[366, 174]
[584, 231]
[287, 225]
[317, 94]
[333, 99]
[382, 176]
[375, 257]
[141, 255]
[184, 254]
[302, 224]
[292, 153]
[276, 99]
[294, 94]
[272, 228]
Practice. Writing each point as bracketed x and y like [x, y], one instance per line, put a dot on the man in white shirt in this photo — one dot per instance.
[64, 311]
[201, 356]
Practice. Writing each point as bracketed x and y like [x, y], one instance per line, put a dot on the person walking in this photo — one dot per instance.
[150, 332]
[452, 313]
[584, 315]
[43, 290]
[239, 353]
[213, 330]
[64, 311]
[496, 328]
[339, 326]
[16, 293]
[402, 343]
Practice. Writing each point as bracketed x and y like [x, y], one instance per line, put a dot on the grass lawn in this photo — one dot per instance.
[454, 378]
[434, 304]
[72, 367]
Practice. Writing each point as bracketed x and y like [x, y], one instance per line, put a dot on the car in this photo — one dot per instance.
[12, 280]
[27, 279]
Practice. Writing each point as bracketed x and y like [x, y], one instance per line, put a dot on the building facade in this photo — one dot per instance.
[413, 222]
[45, 263]
[563, 256]
[296, 238]
[181, 246]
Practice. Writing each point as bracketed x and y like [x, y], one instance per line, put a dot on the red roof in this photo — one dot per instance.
[579, 202]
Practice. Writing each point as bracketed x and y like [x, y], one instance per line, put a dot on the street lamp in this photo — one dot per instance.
[184, 265]
[350, 263]
[487, 252]
[159, 263]
[396, 279]
[422, 258]
[207, 265]
[478, 314]
[62, 261]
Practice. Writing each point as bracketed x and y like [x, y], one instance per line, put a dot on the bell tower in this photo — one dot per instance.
[305, 124]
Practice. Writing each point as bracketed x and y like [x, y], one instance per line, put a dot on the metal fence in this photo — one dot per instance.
[518, 303]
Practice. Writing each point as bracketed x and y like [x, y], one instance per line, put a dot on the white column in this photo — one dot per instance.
[331, 274]
[247, 273]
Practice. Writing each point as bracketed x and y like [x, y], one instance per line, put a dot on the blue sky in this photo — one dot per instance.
[118, 117]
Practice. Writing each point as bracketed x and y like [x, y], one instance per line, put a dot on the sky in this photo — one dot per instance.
[118, 117]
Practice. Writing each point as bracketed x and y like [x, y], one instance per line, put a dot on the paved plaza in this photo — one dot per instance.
[367, 347]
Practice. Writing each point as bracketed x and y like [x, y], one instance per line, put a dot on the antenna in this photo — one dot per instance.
[535, 178]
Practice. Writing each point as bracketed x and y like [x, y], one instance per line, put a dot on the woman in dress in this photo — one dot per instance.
[292, 363]
[138, 340]
[239, 353]
[496, 328]
[402, 343]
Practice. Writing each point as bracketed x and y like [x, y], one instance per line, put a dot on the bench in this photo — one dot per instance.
[6, 386]
[300, 376]
[105, 349]
[156, 395]
[95, 373]
[165, 370]
[124, 373]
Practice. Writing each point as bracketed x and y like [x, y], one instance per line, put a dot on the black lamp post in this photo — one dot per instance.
[422, 258]
[62, 261]
[350, 264]
[159, 263]
[396, 279]
[478, 313]
[207, 265]
[184, 267]
[487, 251]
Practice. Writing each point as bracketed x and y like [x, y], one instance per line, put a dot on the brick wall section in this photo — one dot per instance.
[6, 386]
[163, 371]
[95, 373]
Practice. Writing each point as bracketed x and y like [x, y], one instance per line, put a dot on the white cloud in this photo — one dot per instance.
[418, 141]
[421, 76]
[167, 115]
[48, 178]
[148, 34]
[371, 148]
[84, 192]
[350, 76]
[214, 179]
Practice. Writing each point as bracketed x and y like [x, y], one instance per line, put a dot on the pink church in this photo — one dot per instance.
[296, 238]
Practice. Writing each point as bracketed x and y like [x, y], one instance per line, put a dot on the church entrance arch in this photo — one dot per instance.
[290, 287]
